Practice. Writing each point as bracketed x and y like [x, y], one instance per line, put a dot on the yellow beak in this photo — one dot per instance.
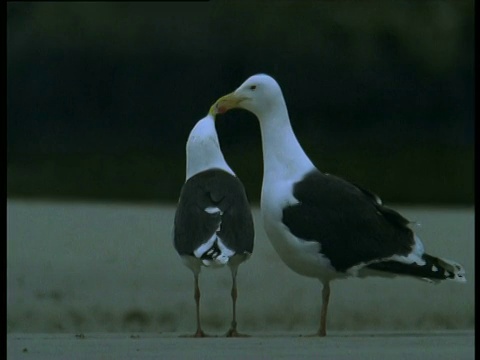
[227, 102]
[213, 110]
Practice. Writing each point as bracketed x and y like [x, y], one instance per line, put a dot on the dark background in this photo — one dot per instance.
[101, 96]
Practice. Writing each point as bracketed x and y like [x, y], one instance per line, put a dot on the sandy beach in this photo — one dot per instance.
[109, 272]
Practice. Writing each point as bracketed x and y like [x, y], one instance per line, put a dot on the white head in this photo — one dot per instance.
[259, 94]
[203, 148]
[283, 156]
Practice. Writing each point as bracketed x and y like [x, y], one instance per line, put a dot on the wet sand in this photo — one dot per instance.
[372, 346]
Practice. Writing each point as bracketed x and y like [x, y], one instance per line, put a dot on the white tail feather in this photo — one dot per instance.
[455, 268]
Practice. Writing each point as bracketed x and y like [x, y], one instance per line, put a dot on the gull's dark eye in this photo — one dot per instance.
[253, 87]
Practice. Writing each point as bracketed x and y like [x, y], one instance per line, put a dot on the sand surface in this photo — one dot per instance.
[109, 271]
[369, 346]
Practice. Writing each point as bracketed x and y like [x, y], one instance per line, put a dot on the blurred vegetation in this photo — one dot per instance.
[101, 96]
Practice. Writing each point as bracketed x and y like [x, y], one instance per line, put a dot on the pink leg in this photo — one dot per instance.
[323, 314]
[199, 332]
[322, 331]
[232, 332]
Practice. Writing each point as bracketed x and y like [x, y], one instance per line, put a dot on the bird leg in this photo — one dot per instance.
[322, 331]
[199, 332]
[232, 332]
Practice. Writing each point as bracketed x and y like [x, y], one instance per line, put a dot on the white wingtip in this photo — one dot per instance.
[454, 267]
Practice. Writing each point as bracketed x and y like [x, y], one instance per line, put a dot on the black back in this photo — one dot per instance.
[193, 225]
[349, 222]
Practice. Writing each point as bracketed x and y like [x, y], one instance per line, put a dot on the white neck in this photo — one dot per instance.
[203, 149]
[283, 157]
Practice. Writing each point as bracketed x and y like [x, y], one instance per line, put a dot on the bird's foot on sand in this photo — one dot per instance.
[198, 334]
[234, 333]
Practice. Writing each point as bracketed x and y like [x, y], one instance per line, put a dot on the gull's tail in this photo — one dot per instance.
[434, 270]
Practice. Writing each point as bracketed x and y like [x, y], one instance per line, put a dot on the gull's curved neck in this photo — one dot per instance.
[203, 149]
[283, 157]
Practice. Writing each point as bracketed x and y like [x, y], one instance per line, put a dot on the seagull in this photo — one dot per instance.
[213, 224]
[321, 225]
